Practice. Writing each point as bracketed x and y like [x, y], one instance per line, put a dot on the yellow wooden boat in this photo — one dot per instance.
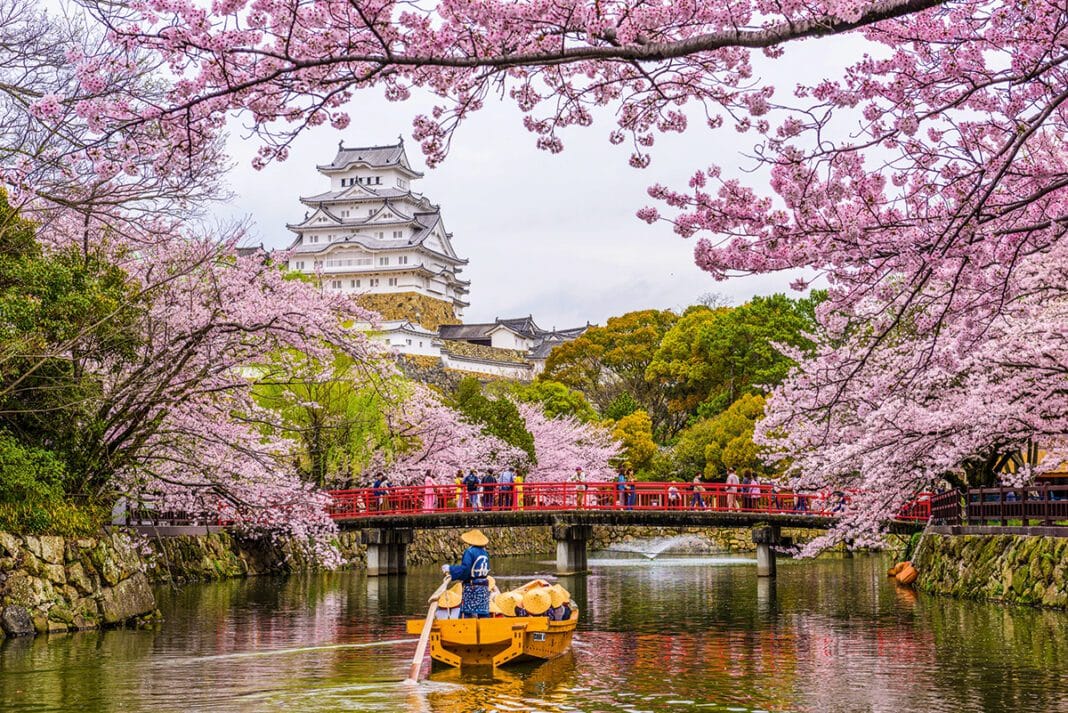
[496, 641]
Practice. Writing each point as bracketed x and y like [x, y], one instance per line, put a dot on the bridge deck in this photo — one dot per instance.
[651, 518]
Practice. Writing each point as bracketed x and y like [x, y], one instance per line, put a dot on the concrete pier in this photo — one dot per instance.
[387, 550]
[571, 548]
[764, 537]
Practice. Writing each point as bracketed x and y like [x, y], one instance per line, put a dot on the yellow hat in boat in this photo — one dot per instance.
[492, 583]
[493, 608]
[475, 537]
[537, 601]
[507, 602]
[451, 597]
[558, 595]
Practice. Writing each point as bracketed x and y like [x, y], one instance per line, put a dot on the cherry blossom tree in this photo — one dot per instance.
[565, 443]
[431, 437]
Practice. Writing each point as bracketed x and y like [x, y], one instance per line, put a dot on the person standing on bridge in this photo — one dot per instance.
[580, 487]
[429, 495]
[732, 489]
[471, 482]
[698, 501]
[473, 571]
[506, 483]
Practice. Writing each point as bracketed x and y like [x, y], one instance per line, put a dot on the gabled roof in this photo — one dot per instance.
[523, 326]
[390, 155]
[363, 193]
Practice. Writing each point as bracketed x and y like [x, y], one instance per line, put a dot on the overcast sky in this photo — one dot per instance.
[554, 236]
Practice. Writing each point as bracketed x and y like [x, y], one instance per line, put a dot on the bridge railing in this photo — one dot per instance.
[720, 497]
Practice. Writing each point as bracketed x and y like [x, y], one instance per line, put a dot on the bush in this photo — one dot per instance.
[57, 518]
[28, 474]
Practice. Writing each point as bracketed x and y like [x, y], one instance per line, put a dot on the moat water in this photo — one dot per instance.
[670, 634]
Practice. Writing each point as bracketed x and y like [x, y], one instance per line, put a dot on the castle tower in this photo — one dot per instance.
[372, 236]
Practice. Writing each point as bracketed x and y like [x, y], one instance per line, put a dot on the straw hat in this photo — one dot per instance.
[475, 537]
[507, 602]
[493, 607]
[558, 595]
[451, 597]
[537, 601]
[492, 583]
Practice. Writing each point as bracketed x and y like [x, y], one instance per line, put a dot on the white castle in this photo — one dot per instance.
[371, 233]
[372, 236]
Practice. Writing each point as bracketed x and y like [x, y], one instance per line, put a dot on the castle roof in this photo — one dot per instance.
[390, 155]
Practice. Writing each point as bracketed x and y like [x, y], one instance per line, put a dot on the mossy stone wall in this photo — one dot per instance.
[1018, 569]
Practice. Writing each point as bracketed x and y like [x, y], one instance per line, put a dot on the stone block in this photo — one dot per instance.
[16, 621]
[55, 573]
[51, 549]
[10, 546]
[128, 599]
[79, 579]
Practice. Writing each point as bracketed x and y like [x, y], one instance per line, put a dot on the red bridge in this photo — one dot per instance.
[388, 516]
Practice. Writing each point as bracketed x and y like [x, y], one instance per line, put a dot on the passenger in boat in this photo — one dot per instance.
[473, 573]
[537, 601]
[560, 599]
[449, 603]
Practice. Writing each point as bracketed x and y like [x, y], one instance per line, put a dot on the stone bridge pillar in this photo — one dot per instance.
[387, 550]
[764, 537]
[571, 547]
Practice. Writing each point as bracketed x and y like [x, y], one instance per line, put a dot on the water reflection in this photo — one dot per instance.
[831, 635]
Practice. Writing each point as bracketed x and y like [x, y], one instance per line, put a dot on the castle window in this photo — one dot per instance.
[357, 283]
[383, 261]
[370, 211]
[409, 341]
[379, 235]
[378, 182]
[393, 282]
[398, 233]
[373, 282]
[299, 265]
[352, 283]
[313, 239]
[336, 284]
[402, 260]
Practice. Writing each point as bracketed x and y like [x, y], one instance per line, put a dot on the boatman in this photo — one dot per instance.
[473, 572]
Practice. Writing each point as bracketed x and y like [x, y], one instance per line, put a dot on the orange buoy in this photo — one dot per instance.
[892, 572]
[908, 574]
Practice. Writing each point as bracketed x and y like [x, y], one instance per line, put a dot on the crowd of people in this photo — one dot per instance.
[485, 490]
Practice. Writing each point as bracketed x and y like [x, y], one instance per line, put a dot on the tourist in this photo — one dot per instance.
[449, 602]
[380, 490]
[732, 489]
[698, 500]
[429, 496]
[520, 478]
[471, 482]
[631, 498]
[537, 601]
[560, 603]
[473, 572]
[579, 479]
[674, 501]
[621, 485]
[458, 482]
[507, 482]
[489, 491]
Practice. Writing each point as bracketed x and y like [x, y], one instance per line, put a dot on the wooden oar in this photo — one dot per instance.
[417, 661]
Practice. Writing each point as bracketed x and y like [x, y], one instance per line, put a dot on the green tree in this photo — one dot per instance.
[555, 399]
[498, 417]
[712, 445]
[65, 316]
[336, 413]
[711, 357]
[611, 360]
[635, 432]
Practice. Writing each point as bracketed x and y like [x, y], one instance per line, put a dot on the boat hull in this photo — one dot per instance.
[496, 641]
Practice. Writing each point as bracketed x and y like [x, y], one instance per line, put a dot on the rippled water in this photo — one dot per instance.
[670, 634]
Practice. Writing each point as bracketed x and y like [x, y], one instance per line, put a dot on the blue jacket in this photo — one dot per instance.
[475, 565]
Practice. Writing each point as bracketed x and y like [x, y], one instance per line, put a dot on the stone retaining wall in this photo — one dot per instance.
[1017, 569]
[53, 584]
